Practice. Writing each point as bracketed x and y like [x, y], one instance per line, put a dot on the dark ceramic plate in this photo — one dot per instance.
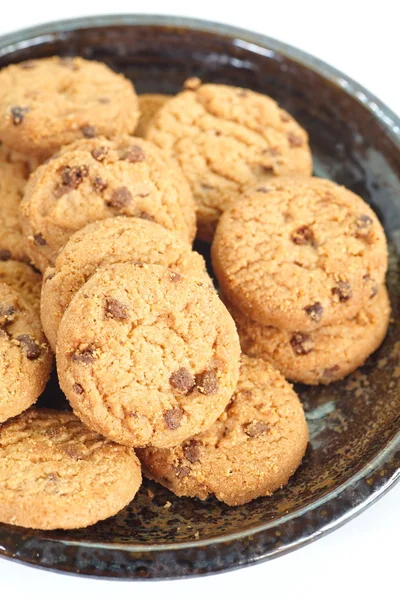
[354, 453]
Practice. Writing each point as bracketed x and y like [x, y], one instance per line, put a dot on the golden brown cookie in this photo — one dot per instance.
[49, 102]
[321, 356]
[56, 474]
[94, 179]
[255, 446]
[146, 356]
[24, 279]
[149, 104]
[117, 239]
[300, 257]
[226, 138]
[25, 359]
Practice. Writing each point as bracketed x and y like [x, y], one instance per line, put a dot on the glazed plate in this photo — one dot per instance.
[354, 452]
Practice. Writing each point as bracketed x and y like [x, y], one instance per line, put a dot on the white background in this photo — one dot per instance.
[361, 559]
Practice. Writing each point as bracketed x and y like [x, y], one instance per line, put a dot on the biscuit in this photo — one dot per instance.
[226, 138]
[49, 102]
[321, 356]
[25, 280]
[117, 239]
[146, 356]
[300, 257]
[25, 359]
[56, 474]
[94, 179]
[252, 450]
[149, 104]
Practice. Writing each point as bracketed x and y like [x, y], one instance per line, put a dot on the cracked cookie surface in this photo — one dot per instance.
[25, 358]
[300, 254]
[117, 239]
[49, 102]
[226, 138]
[94, 179]
[250, 451]
[146, 356]
[55, 473]
[321, 356]
[149, 104]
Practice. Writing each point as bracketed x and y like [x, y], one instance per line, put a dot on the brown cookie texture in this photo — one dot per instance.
[25, 358]
[226, 138]
[146, 357]
[59, 100]
[307, 254]
[322, 356]
[117, 239]
[149, 104]
[24, 279]
[94, 179]
[251, 450]
[57, 474]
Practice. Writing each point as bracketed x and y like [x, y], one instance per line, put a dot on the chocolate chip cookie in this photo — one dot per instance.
[56, 474]
[117, 239]
[300, 257]
[98, 178]
[147, 356]
[226, 138]
[24, 279]
[149, 104]
[25, 359]
[321, 356]
[49, 102]
[253, 448]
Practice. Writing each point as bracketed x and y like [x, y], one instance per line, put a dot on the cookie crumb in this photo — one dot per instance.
[193, 83]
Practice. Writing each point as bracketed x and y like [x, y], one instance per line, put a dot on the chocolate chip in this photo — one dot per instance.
[363, 225]
[85, 357]
[5, 254]
[116, 310]
[175, 277]
[294, 140]
[145, 215]
[301, 343]
[89, 131]
[314, 311]
[18, 114]
[120, 197]
[134, 154]
[343, 291]
[72, 177]
[39, 240]
[327, 373]
[30, 346]
[100, 153]
[6, 310]
[267, 169]
[263, 189]
[302, 236]
[181, 470]
[191, 451]
[173, 418]
[104, 100]
[99, 185]
[78, 389]
[207, 382]
[182, 380]
[255, 429]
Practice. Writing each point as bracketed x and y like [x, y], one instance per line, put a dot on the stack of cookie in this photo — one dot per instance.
[147, 353]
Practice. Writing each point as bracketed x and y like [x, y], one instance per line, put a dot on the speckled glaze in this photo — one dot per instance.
[354, 453]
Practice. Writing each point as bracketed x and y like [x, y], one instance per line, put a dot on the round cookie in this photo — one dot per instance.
[117, 239]
[252, 450]
[226, 138]
[149, 104]
[321, 356]
[56, 474]
[25, 359]
[307, 255]
[146, 356]
[49, 102]
[94, 179]
[25, 280]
